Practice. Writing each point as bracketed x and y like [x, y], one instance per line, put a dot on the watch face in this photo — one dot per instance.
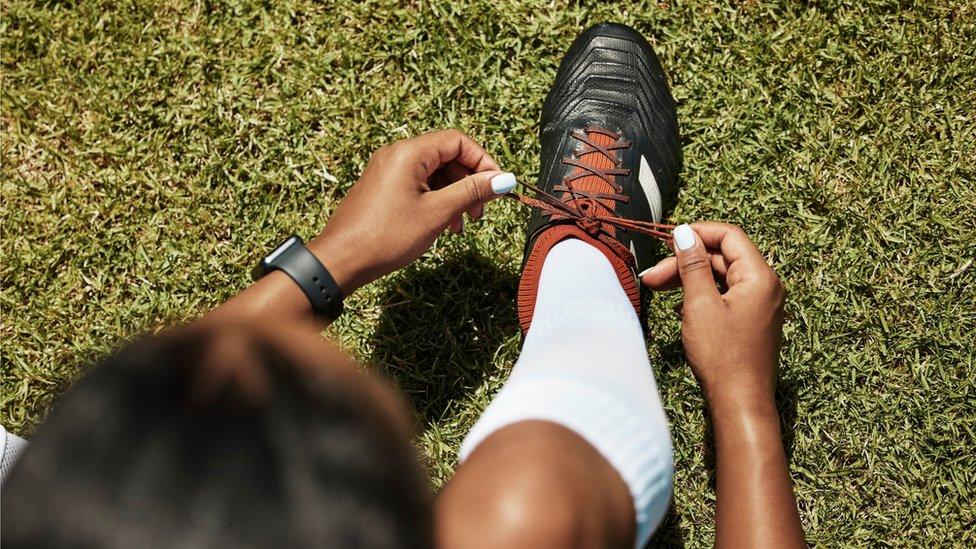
[284, 246]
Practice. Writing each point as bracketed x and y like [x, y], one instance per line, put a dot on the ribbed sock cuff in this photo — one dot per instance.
[629, 435]
[11, 447]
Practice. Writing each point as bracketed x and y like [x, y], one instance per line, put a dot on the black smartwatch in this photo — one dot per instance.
[292, 257]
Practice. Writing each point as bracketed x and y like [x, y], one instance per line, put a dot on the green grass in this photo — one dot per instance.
[150, 150]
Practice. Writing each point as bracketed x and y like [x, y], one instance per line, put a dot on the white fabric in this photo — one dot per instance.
[584, 365]
[11, 446]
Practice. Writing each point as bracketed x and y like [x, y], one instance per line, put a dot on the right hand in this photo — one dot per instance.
[410, 192]
[731, 338]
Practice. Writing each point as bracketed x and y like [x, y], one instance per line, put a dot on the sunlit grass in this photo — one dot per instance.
[151, 151]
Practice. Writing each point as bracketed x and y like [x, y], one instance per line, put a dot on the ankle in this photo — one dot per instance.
[531, 279]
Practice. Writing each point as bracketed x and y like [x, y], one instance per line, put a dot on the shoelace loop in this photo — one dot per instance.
[579, 206]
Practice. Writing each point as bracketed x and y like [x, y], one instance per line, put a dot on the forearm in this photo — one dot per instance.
[273, 299]
[755, 505]
[407, 195]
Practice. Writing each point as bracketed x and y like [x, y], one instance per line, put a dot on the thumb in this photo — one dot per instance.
[472, 191]
[694, 266]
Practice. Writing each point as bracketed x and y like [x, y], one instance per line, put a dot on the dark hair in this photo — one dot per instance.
[130, 458]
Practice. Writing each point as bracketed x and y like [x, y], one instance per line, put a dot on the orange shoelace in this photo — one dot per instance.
[577, 205]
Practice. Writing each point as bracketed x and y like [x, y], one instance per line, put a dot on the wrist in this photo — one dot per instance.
[339, 259]
[748, 401]
[747, 425]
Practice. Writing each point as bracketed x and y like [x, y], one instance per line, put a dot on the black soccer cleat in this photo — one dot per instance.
[609, 148]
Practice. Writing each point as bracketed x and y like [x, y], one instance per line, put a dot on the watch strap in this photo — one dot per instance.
[311, 276]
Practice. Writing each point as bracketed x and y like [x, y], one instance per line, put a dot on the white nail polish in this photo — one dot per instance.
[503, 183]
[684, 237]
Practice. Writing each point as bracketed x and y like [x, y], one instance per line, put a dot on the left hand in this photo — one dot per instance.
[731, 338]
[410, 192]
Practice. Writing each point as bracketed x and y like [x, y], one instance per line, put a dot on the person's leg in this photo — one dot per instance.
[574, 450]
[535, 484]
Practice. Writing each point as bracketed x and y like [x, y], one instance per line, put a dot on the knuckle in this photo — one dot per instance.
[774, 285]
[780, 288]
[399, 152]
[693, 263]
[476, 192]
[696, 303]
[382, 152]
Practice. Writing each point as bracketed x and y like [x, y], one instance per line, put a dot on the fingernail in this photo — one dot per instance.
[645, 271]
[503, 183]
[684, 237]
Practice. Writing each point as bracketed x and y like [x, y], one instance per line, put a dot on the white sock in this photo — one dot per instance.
[584, 365]
[11, 447]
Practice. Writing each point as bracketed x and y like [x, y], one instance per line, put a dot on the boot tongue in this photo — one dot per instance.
[593, 183]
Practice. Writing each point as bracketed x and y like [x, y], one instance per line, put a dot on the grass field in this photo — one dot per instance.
[151, 149]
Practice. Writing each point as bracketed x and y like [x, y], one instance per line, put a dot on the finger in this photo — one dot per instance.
[720, 266]
[470, 192]
[730, 239]
[449, 173]
[436, 149]
[744, 262]
[664, 276]
[694, 267]
[457, 225]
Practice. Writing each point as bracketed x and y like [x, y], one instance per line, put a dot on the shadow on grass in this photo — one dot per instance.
[440, 328]
[669, 534]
